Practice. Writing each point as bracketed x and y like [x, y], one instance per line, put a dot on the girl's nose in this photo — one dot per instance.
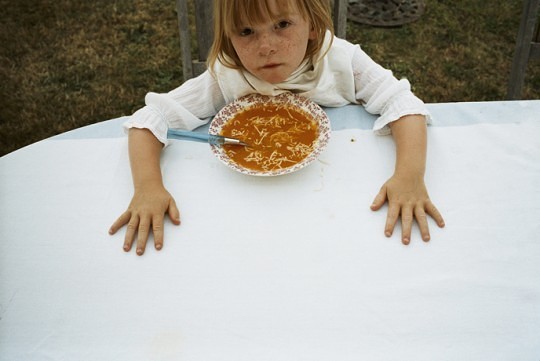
[267, 44]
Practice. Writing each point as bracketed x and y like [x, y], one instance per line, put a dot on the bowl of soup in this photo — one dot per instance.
[284, 133]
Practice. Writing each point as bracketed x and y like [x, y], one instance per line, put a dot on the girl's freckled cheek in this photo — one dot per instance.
[242, 50]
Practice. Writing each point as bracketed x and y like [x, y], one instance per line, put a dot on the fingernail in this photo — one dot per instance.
[406, 241]
[139, 251]
[158, 246]
[387, 233]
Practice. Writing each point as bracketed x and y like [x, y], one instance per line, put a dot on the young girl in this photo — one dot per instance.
[270, 47]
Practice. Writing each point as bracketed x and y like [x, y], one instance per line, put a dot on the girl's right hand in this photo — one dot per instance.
[146, 211]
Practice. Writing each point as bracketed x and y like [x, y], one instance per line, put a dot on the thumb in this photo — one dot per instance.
[379, 200]
[174, 213]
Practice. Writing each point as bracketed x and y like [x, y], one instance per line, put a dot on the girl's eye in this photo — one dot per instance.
[283, 24]
[246, 32]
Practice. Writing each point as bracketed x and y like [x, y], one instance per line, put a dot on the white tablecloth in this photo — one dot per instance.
[286, 268]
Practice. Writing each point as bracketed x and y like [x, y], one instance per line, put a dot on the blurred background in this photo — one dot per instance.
[69, 63]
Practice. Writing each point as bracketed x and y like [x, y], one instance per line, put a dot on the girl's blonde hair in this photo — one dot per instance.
[229, 14]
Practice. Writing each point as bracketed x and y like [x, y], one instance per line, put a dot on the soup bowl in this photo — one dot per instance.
[284, 133]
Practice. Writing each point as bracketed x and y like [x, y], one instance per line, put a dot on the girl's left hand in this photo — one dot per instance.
[408, 198]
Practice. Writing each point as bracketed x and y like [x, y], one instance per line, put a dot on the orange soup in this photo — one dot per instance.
[278, 136]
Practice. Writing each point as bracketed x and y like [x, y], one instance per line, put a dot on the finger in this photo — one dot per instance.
[174, 213]
[379, 200]
[142, 237]
[391, 219]
[435, 214]
[421, 219]
[406, 224]
[157, 229]
[130, 232]
[120, 222]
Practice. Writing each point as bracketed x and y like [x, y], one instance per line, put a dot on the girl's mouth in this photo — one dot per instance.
[271, 66]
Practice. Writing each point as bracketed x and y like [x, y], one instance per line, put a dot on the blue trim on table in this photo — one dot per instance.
[356, 117]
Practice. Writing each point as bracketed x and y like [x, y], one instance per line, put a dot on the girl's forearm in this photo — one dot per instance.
[144, 156]
[410, 135]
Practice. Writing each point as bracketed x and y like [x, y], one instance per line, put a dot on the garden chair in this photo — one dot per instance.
[527, 47]
[204, 32]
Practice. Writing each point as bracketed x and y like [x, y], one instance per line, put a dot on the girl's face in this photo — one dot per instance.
[273, 49]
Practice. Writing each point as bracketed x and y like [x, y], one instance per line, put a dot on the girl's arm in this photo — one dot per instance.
[197, 98]
[405, 191]
[150, 199]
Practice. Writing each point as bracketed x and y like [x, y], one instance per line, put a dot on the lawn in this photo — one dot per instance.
[65, 63]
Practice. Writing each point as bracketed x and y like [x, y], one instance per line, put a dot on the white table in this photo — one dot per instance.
[247, 276]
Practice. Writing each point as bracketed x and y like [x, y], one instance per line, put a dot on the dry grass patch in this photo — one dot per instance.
[65, 63]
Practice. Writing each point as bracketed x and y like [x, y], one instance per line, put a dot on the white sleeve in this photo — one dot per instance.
[381, 93]
[186, 107]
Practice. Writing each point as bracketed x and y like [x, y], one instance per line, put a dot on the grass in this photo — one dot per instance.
[66, 63]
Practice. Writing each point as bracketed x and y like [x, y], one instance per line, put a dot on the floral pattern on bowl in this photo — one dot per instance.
[292, 100]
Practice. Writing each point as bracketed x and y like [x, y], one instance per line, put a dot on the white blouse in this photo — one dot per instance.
[343, 75]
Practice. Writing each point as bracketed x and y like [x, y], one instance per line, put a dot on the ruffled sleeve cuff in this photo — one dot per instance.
[147, 118]
[402, 104]
[381, 93]
[160, 113]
